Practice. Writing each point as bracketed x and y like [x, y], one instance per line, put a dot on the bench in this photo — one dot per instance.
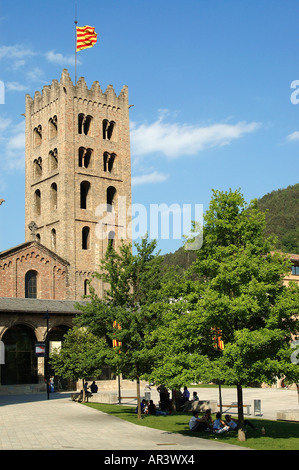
[235, 405]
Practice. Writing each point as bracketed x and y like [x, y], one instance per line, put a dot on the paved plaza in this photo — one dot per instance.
[32, 422]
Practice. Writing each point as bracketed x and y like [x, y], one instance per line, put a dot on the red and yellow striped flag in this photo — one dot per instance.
[86, 37]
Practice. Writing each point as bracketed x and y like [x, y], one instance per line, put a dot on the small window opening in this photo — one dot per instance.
[53, 156]
[53, 196]
[111, 237]
[85, 155]
[37, 202]
[84, 193]
[53, 127]
[110, 198]
[85, 238]
[37, 168]
[37, 136]
[86, 287]
[53, 239]
[31, 285]
[84, 124]
[295, 270]
[108, 161]
[108, 128]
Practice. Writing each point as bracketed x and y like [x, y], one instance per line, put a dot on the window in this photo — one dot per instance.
[53, 127]
[37, 202]
[84, 124]
[31, 285]
[111, 191]
[86, 287]
[53, 239]
[53, 196]
[37, 136]
[111, 237]
[84, 193]
[53, 159]
[295, 270]
[85, 238]
[109, 159]
[108, 129]
[37, 168]
[85, 157]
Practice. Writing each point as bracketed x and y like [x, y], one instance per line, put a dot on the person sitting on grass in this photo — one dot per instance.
[201, 424]
[234, 426]
[142, 406]
[207, 420]
[152, 410]
[195, 423]
[219, 426]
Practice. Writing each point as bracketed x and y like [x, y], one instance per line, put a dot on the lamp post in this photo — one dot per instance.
[47, 316]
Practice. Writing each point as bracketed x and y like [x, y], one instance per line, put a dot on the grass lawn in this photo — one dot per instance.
[279, 435]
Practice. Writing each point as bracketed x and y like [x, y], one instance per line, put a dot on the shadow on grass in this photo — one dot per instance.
[278, 434]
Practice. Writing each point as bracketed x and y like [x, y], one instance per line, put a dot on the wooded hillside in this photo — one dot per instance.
[282, 218]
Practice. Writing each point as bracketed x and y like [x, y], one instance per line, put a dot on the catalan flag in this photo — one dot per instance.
[86, 37]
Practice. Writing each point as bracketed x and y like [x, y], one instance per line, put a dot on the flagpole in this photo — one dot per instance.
[76, 22]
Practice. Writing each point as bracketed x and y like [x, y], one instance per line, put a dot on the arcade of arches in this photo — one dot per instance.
[22, 366]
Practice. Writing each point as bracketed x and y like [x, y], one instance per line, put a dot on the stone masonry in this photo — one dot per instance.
[77, 161]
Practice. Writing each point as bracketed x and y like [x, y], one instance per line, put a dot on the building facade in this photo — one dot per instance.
[77, 201]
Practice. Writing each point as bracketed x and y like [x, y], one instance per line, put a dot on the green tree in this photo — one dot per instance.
[80, 356]
[126, 315]
[239, 292]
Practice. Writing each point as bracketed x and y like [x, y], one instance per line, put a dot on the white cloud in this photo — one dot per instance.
[60, 59]
[293, 136]
[154, 177]
[12, 139]
[175, 140]
[18, 51]
[15, 86]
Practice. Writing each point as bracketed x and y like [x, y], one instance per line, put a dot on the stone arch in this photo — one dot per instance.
[20, 361]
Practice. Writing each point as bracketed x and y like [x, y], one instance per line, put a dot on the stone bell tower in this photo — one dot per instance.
[78, 174]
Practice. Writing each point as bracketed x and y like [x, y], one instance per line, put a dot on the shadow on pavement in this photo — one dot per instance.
[29, 398]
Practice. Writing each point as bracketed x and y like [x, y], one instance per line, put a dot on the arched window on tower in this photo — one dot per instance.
[85, 238]
[84, 194]
[53, 239]
[87, 125]
[84, 124]
[53, 127]
[108, 129]
[85, 157]
[111, 239]
[37, 136]
[53, 159]
[111, 191]
[37, 202]
[86, 287]
[37, 168]
[53, 196]
[31, 285]
[108, 159]
[80, 122]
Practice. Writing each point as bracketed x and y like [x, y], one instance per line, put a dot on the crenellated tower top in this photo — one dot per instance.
[65, 87]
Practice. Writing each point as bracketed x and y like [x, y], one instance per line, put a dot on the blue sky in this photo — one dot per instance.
[210, 81]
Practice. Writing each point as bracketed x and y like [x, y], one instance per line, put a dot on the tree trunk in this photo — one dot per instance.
[173, 400]
[83, 391]
[241, 426]
[138, 400]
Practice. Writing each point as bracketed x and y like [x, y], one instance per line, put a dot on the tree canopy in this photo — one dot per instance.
[240, 297]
